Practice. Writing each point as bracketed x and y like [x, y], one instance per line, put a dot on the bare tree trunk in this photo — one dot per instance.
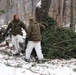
[7, 11]
[42, 12]
[64, 13]
[71, 18]
[60, 13]
[32, 2]
[75, 14]
[24, 9]
[54, 9]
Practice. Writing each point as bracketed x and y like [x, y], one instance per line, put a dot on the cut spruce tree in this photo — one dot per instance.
[58, 42]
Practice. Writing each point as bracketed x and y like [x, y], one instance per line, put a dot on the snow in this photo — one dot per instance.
[67, 25]
[24, 33]
[15, 65]
[39, 4]
[4, 70]
[1, 22]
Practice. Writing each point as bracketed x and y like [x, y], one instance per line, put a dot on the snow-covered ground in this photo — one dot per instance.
[12, 65]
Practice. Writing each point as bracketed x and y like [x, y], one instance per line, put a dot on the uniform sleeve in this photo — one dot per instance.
[23, 26]
[43, 25]
[28, 31]
[9, 26]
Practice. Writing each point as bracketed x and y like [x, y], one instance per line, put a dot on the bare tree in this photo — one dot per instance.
[42, 10]
[64, 11]
[71, 18]
[60, 12]
[7, 11]
[32, 3]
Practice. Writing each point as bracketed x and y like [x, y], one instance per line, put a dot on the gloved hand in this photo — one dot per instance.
[3, 36]
[45, 24]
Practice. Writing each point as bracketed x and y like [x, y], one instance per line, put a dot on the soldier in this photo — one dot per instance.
[15, 25]
[34, 39]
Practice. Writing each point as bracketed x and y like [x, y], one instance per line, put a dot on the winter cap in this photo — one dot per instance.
[31, 18]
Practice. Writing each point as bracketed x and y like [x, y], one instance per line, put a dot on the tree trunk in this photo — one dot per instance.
[42, 12]
[64, 13]
[60, 13]
[71, 18]
[7, 11]
[32, 7]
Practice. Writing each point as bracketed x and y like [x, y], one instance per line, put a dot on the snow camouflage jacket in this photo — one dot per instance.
[15, 27]
[34, 31]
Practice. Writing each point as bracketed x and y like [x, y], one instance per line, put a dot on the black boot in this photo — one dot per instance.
[26, 60]
[16, 54]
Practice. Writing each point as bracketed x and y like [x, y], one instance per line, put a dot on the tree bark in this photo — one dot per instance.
[64, 13]
[71, 18]
[42, 12]
[7, 11]
[60, 13]
[32, 7]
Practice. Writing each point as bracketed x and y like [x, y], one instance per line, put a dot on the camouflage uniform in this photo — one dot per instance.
[34, 39]
[34, 31]
[16, 33]
[15, 27]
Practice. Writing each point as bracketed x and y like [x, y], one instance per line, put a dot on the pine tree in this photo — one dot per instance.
[58, 42]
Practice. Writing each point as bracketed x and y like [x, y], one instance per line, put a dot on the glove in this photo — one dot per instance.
[3, 36]
[45, 24]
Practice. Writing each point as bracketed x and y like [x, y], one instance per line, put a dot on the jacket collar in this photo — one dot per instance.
[16, 20]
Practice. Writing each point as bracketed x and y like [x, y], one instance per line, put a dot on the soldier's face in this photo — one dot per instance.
[16, 17]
